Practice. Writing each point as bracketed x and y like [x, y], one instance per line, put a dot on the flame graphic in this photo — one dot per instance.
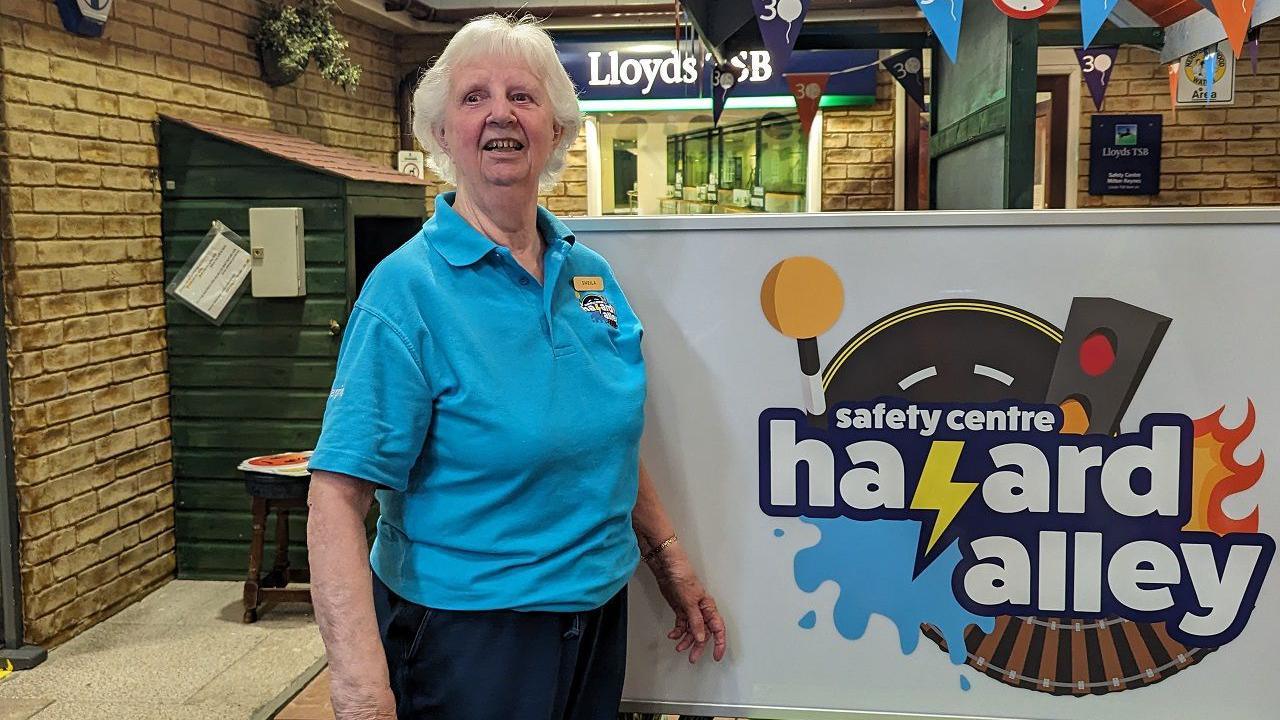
[1216, 475]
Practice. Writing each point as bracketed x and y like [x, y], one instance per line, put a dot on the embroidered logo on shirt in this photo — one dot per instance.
[337, 392]
[600, 309]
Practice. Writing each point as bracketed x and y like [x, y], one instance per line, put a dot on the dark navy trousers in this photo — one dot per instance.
[502, 664]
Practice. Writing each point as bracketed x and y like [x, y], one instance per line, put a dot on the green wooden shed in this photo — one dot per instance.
[257, 384]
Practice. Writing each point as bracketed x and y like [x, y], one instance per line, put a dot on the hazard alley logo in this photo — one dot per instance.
[975, 450]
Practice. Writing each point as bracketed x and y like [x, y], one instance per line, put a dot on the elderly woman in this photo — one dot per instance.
[490, 392]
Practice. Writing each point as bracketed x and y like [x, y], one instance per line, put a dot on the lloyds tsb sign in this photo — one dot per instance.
[612, 68]
[657, 70]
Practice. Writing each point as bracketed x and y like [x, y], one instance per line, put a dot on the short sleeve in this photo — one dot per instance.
[626, 313]
[379, 409]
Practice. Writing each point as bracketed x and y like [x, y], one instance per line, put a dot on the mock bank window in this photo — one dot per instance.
[654, 149]
[676, 163]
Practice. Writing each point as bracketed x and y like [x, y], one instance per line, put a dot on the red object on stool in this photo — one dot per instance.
[273, 494]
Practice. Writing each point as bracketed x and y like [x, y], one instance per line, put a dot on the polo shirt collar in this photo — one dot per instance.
[462, 245]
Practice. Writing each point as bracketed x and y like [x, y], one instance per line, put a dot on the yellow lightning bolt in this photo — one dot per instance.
[936, 491]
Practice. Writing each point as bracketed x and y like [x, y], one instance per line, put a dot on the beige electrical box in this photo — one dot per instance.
[275, 245]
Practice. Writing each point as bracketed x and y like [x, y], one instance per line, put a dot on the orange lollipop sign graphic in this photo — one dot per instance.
[802, 297]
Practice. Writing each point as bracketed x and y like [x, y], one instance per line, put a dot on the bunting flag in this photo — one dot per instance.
[780, 22]
[1174, 68]
[1096, 65]
[907, 67]
[944, 17]
[1210, 69]
[807, 89]
[1254, 34]
[724, 78]
[1235, 16]
[1092, 14]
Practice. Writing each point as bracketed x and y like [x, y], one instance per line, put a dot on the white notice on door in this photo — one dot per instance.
[215, 277]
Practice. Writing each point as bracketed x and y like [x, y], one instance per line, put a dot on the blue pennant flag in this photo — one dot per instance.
[1210, 69]
[944, 17]
[1092, 14]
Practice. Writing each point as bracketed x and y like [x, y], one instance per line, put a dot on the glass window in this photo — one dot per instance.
[738, 161]
[782, 155]
[697, 161]
[675, 162]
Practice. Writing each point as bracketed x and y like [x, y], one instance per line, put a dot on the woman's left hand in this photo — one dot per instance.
[696, 614]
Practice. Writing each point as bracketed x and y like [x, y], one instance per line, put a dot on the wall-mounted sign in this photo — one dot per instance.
[84, 17]
[657, 70]
[1124, 154]
[410, 162]
[1192, 82]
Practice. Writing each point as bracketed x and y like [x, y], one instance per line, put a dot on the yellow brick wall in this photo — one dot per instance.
[857, 153]
[1218, 156]
[569, 196]
[80, 222]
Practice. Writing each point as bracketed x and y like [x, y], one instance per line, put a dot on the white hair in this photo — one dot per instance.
[496, 35]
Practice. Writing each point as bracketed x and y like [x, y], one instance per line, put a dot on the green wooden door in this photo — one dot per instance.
[256, 384]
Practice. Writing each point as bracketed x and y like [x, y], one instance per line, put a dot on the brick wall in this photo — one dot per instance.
[80, 221]
[857, 153]
[569, 196]
[1218, 156]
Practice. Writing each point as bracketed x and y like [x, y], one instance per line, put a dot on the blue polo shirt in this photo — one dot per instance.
[500, 418]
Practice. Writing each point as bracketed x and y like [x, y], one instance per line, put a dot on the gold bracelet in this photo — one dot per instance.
[654, 552]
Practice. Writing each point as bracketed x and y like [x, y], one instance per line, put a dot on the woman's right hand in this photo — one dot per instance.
[342, 594]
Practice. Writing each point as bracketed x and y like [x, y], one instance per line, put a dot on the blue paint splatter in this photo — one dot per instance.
[872, 563]
[777, 532]
[809, 620]
[964, 683]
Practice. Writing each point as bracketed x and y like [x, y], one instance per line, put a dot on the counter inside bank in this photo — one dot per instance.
[652, 143]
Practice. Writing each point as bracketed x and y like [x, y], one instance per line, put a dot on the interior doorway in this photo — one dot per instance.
[916, 171]
[1053, 118]
[375, 238]
[1052, 159]
[624, 176]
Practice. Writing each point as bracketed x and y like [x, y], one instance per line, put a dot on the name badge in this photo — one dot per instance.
[588, 283]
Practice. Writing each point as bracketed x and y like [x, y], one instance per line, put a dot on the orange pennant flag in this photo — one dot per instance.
[807, 89]
[1235, 16]
[1173, 88]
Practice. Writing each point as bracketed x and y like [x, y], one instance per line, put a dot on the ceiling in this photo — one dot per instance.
[727, 26]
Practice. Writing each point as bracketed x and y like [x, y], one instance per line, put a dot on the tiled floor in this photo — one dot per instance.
[312, 703]
[181, 653]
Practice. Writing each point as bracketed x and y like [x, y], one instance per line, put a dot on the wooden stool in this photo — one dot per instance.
[273, 494]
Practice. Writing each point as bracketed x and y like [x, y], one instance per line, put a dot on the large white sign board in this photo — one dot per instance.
[822, 620]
